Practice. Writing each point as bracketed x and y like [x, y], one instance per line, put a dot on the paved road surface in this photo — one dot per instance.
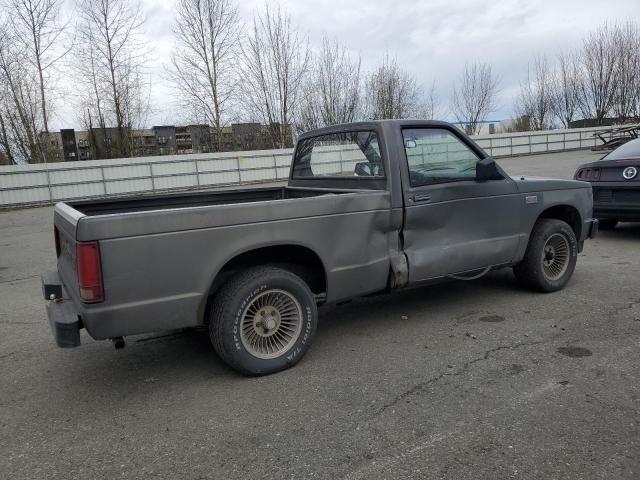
[482, 380]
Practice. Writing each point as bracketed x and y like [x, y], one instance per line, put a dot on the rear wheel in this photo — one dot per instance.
[263, 320]
[607, 224]
[551, 256]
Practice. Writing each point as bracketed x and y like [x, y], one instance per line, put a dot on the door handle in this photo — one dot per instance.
[421, 197]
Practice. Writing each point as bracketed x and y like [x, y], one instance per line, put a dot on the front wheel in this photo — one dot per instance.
[551, 256]
[263, 320]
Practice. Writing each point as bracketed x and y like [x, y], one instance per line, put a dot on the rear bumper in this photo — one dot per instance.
[617, 200]
[63, 317]
[629, 213]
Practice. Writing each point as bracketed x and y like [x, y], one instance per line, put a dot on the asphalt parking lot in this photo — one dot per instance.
[465, 380]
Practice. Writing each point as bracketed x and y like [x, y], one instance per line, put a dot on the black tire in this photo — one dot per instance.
[537, 271]
[607, 224]
[231, 311]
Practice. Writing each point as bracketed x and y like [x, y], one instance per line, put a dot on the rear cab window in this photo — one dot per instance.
[344, 155]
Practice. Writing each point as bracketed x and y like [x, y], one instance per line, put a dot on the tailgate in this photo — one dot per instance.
[65, 222]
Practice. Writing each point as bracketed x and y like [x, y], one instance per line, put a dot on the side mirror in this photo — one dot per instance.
[486, 169]
[362, 169]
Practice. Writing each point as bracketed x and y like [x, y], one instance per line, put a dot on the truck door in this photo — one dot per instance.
[453, 223]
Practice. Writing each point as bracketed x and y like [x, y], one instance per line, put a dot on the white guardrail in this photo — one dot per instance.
[31, 184]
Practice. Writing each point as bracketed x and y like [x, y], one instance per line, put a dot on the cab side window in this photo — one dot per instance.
[436, 155]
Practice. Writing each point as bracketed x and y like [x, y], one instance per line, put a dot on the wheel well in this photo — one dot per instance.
[299, 260]
[567, 214]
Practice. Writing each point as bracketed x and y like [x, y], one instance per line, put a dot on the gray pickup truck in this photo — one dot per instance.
[369, 207]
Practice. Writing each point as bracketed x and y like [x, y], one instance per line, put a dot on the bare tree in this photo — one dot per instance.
[627, 96]
[203, 64]
[475, 96]
[6, 150]
[393, 93]
[20, 118]
[275, 60]
[332, 91]
[635, 92]
[536, 95]
[431, 109]
[36, 24]
[93, 106]
[520, 123]
[567, 88]
[7, 146]
[599, 61]
[111, 62]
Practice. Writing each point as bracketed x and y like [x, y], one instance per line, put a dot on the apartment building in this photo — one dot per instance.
[100, 143]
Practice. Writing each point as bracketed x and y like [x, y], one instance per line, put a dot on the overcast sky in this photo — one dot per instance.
[430, 38]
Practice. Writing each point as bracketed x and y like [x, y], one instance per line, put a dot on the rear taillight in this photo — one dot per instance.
[56, 239]
[588, 174]
[89, 272]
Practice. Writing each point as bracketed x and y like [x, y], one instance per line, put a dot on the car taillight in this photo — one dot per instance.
[56, 239]
[588, 174]
[89, 272]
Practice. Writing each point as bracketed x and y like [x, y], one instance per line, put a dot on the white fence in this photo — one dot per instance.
[527, 143]
[48, 183]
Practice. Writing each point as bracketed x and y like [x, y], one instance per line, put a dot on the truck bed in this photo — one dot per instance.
[160, 254]
[193, 199]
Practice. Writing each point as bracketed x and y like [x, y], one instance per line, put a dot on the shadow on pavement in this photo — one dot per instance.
[623, 231]
[185, 359]
[187, 355]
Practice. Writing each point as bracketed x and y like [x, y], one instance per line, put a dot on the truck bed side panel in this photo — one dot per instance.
[160, 281]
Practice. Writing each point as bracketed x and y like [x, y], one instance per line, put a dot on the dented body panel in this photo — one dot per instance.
[463, 227]
[162, 256]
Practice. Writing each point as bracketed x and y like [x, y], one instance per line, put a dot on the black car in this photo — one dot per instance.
[616, 185]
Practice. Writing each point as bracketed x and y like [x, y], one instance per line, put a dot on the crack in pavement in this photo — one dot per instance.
[368, 466]
[612, 313]
[627, 306]
[372, 467]
[612, 406]
[7, 355]
[465, 367]
[19, 279]
[9, 322]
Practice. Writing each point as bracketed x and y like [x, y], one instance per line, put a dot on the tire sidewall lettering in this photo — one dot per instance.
[302, 340]
[574, 245]
[237, 342]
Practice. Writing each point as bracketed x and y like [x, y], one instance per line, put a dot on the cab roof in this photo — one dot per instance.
[372, 124]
